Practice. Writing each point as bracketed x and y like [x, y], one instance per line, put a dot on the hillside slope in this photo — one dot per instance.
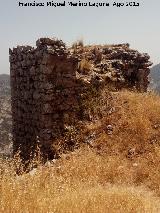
[5, 115]
[4, 84]
[5, 125]
[116, 169]
[155, 78]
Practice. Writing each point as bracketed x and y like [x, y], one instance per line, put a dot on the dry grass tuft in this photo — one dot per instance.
[78, 43]
[84, 66]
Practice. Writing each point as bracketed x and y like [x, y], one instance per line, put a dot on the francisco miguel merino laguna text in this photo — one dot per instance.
[77, 4]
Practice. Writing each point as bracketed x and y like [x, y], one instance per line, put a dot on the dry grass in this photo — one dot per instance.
[135, 120]
[79, 182]
[84, 66]
[105, 178]
[78, 43]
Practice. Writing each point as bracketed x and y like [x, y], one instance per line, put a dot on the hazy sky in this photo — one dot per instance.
[138, 26]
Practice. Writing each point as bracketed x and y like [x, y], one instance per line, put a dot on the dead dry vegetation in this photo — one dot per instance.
[116, 170]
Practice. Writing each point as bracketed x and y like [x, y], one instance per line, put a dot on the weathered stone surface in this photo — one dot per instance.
[114, 63]
[49, 83]
[37, 85]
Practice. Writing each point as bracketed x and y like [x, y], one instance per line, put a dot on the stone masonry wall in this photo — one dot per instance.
[47, 83]
[42, 82]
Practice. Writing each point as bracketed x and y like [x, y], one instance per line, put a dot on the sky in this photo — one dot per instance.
[138, 26]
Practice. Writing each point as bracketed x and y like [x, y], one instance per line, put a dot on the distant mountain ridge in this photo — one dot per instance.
[4, 84]
[5, 115]
[155, 78]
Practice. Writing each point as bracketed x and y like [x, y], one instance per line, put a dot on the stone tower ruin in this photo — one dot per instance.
[47, 83]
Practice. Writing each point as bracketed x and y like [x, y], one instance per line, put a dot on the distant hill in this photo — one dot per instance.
[4, 84]
[5, 115]
[5, 125]
[155, 78]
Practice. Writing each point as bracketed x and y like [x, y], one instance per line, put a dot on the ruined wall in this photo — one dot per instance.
[116, 64]
[48, 83]
[43, 83]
